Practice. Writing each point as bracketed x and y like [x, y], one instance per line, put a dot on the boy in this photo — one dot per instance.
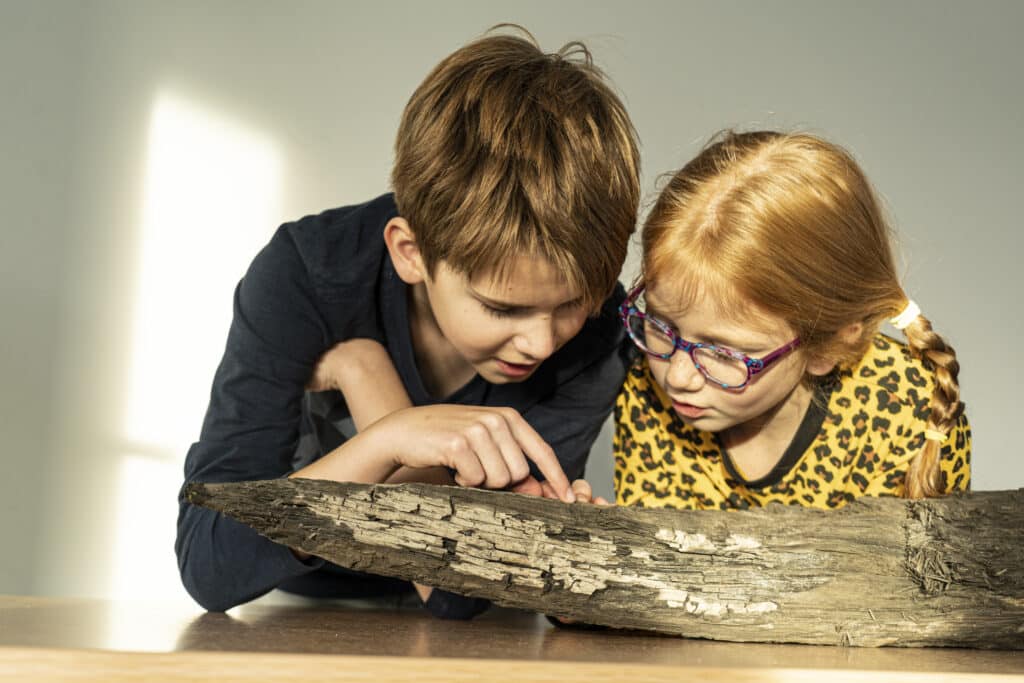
[464, 326]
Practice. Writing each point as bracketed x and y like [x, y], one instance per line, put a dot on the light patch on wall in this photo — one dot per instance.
[144, 566]
[212, 200]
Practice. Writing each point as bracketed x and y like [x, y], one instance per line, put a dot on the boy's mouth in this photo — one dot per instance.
[515, 369]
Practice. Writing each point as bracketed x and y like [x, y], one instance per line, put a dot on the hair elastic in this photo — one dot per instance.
[934, 435]
[907, 316]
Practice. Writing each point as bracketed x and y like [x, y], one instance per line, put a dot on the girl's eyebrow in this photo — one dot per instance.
[652, 309]
[653, 312]
[717, 338]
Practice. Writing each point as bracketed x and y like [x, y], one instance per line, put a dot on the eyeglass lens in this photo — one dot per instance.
[718, 366]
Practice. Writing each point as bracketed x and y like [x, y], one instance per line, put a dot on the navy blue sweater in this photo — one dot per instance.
[321, 280]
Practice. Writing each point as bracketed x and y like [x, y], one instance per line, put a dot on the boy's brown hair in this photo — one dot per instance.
[505, 150]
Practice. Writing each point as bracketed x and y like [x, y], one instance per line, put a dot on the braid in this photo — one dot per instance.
[923, 477]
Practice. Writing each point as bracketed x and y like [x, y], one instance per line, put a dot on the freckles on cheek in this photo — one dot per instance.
[752, 398]
[658, 370]
[741, 401]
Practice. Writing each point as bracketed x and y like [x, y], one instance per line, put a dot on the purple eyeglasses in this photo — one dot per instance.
[723, 366]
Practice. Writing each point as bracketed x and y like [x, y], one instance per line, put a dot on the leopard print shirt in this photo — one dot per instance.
[856, 440]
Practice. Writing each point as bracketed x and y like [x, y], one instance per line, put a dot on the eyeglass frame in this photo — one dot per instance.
[755, 366]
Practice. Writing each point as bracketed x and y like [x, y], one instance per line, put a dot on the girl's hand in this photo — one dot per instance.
[585, 494]
[580, 488]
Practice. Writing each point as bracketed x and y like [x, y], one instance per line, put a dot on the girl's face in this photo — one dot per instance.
[772, 400]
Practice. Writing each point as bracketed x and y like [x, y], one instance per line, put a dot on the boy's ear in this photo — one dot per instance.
[404, 251]
[846, 336]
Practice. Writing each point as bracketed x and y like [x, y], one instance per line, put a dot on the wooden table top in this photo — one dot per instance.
[67, 639]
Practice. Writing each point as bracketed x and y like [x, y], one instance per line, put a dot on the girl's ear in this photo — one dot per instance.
[846, 336]
[404, 251]
[819, 366]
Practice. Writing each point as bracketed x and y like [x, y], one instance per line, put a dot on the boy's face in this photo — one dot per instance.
[504, 328]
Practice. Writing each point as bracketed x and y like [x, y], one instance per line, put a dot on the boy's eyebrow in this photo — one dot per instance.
[498, 303]
[489, 301]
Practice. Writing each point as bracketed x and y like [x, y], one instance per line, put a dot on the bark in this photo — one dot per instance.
[880, 571]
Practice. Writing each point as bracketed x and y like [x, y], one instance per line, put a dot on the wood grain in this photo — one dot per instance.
[37, 664]
[882, 571]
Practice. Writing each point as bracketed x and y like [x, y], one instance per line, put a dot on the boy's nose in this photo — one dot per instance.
[537, 340]
[683, 374]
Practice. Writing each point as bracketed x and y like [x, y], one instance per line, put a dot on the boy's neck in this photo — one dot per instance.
[756, 446]
[441, 367]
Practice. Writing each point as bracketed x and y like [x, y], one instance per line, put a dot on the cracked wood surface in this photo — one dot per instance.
[881, 571]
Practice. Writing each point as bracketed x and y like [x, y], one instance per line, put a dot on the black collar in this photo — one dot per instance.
[808, 430]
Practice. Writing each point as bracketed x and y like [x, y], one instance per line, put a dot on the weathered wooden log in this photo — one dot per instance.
[881, 571]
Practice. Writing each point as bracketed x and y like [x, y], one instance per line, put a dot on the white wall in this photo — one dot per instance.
[37, 130]
[150, 148]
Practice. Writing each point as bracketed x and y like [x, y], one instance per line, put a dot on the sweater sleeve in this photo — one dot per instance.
[251, 428]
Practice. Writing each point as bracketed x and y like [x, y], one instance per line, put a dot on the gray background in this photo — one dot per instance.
[147, 150]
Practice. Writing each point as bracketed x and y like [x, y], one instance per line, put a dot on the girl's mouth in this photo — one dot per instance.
[688, 410]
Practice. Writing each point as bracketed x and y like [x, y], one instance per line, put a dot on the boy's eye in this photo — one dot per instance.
[506, 312]
[497, 312]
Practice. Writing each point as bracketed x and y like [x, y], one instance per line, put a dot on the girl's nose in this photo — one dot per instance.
[682, 374]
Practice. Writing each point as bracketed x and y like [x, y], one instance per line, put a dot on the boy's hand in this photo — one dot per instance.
[328, 368]
[488, 447]
[362, 371]
[350, 361]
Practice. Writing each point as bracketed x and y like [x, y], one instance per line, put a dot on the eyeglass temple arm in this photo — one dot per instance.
[774, 356]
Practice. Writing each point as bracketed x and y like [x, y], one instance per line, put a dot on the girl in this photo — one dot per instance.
[767, 273]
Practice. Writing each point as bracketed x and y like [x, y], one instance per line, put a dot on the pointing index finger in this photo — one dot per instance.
[537, 450]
